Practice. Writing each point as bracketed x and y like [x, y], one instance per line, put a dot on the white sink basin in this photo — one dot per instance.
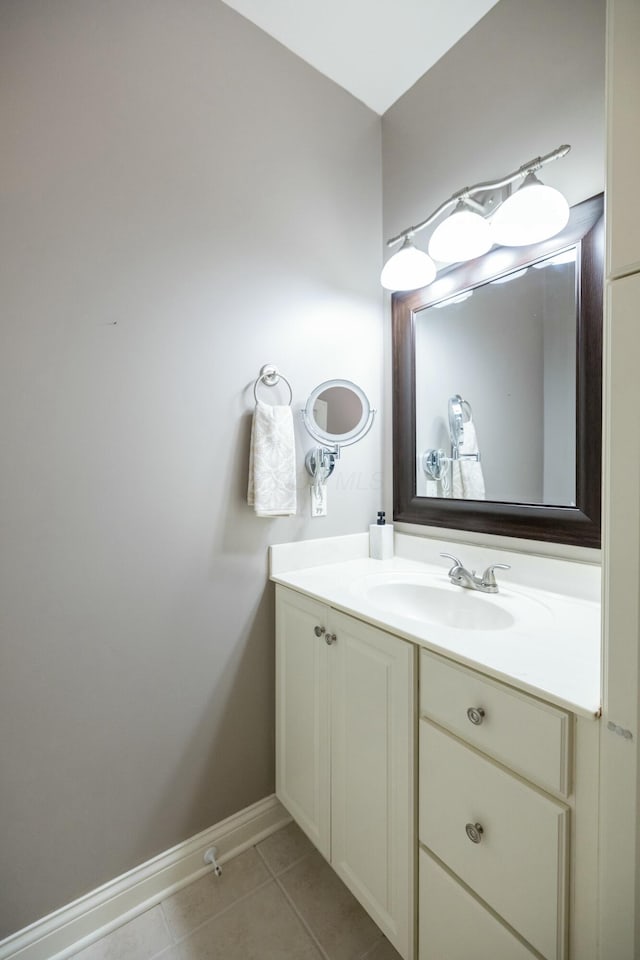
[433, 599]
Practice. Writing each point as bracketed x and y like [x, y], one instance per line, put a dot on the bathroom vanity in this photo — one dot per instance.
[440, 747]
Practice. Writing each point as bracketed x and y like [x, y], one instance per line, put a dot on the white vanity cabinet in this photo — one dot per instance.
[466, 820]
[345, 721]
[506, 824]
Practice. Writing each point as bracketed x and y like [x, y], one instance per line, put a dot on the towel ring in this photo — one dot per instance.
[270, 376]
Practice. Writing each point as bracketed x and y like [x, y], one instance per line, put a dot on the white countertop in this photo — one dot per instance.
[555, 655]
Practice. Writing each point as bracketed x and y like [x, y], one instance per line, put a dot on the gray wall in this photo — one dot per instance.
[526, 78]
[181, 201]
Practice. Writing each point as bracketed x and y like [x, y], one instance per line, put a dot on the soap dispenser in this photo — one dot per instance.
[381, 538]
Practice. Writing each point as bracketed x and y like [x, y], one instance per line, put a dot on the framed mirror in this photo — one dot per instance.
[497, 387]
[338, 413]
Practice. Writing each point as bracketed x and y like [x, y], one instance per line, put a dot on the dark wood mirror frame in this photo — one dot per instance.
[577, 525]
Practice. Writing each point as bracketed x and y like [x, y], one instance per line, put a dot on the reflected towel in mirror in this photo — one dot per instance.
[467, 477]
[272, 462]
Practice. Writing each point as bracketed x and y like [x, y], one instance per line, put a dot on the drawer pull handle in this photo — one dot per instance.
[474, 832]
[318, 631]
[475, 715]
[330, 638]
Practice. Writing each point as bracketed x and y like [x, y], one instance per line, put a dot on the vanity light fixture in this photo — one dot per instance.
[408, 269]
[533, 213]
[464, 235]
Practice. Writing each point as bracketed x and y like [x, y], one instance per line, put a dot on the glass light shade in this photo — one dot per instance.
[534, 212]
[464, 235]
[408, 269]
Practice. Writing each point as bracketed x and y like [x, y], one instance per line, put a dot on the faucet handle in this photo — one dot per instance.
[488, 577]
[456, 562]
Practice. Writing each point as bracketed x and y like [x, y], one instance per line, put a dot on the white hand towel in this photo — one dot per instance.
[272, 462]
[468, 479]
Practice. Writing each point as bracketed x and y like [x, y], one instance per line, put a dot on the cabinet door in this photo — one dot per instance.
[456, 926]
[623, 86]
[302, 715]
[373, 704]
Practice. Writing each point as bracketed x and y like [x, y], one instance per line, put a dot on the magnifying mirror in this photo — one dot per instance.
[338, 413]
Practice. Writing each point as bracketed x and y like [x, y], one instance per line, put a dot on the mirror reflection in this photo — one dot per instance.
[337, 410]
[496, 389]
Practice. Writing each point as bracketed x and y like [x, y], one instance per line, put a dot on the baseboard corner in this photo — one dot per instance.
[76, 925]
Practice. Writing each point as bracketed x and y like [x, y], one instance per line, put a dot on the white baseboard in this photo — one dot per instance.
[73, 927]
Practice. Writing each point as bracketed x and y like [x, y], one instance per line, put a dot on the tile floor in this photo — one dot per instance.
[279, 900]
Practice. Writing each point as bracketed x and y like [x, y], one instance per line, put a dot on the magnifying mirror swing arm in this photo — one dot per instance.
[324, 456]
[320, 462]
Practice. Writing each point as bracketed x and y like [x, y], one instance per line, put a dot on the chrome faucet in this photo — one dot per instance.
[459, 575]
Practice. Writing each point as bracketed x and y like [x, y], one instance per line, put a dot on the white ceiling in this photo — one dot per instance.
[375, 49]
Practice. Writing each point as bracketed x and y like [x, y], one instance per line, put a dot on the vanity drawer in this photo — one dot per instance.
[456, 926]
[530, 736]
[519, 863]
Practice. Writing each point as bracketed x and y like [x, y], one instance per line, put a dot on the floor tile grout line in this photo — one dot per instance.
[276, 877]
[170, 935]
[220, 913]
[371, 950]
[374, 945]
[271, 878]
[301, 919]
[265, 861]
[294, 863]
[155, 956]
[362, 956]
[165, 950]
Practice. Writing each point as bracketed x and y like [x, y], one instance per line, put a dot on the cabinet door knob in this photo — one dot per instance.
[475, 715]
[474, 832]
[318, 631]
[330, 638]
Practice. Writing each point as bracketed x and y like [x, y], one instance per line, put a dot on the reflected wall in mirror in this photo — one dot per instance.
[507, 350]
[510, 345]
